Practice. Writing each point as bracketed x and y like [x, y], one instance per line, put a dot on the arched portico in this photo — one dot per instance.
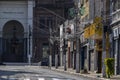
[13, 47]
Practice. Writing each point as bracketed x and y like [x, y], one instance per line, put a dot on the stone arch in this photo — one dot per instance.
[9, 27]
[13, 42]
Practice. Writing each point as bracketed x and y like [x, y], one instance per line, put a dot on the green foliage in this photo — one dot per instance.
[109, 62]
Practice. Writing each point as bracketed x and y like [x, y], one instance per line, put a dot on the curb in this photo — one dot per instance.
[76, 74]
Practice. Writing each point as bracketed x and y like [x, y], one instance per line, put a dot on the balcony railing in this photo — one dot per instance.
[116, 16]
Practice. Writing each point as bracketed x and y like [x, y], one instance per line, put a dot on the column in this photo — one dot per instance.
[30, 28]
[0, 50]
[116, 56]
[119, 57]
[25, 49]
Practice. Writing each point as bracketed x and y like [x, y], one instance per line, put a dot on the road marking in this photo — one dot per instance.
[41, 78]
[55, 79]
[27, 79]
[4, 77]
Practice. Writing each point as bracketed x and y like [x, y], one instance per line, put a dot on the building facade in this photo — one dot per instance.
[25, 28]
[115, 35]
[93, 34]
[16, 22]
[48, 15]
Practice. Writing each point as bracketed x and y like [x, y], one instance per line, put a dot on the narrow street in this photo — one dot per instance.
[34, 73]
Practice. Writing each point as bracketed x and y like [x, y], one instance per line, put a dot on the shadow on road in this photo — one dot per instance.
[6, 75]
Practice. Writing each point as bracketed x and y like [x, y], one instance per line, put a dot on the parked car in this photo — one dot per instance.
[45, 62]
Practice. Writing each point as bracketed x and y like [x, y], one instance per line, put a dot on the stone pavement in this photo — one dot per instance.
[93, 75]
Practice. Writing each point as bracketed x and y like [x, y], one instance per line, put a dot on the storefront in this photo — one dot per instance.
[116, 48]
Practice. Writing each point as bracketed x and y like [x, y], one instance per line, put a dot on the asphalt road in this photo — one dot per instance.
[34, 73]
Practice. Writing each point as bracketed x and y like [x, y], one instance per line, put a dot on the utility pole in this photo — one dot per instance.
[56, 54]
[103, 41]
[50, 55]
[104, 52]
[77, 37]
[64, 48]
[50, 46]
[56, 44]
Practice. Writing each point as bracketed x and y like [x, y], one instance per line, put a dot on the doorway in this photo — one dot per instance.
[13, 42]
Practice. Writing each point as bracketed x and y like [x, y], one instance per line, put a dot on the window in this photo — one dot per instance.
[42, 22]
[116, 5]
[49, 21]
[45, 21]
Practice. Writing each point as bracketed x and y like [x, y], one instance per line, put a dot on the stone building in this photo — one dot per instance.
[115, 35]
[25, 25]
[16, 22]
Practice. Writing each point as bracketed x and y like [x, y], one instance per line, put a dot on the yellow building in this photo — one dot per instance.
[94, 32]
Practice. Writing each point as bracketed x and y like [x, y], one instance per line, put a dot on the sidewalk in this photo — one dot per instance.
[89, 74]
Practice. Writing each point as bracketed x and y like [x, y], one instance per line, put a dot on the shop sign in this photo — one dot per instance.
[97, 20]
[87, 32]
[92, 29]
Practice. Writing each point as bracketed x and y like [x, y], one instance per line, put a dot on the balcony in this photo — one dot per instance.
[115, 16]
